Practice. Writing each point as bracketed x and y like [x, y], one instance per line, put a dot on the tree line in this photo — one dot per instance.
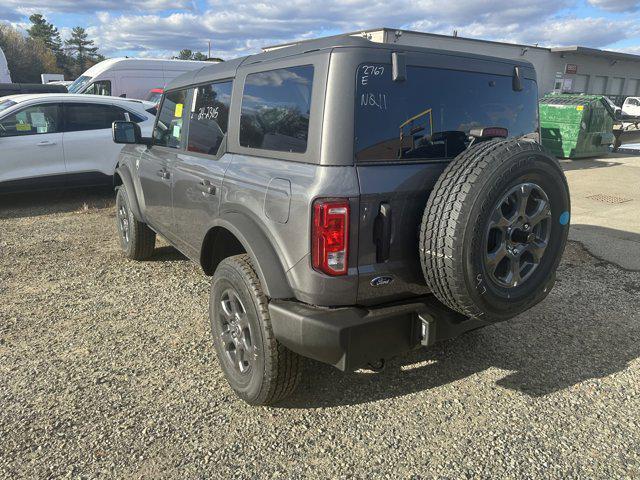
[42, 50]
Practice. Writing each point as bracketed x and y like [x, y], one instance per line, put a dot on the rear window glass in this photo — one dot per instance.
[430, 114]
[275, 109]
[209, 117]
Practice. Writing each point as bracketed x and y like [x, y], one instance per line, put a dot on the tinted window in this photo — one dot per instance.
[209, 117]
[102, 87]
[275, 109]
[90, 116]
[168, 131]
[38, 119]
[430, 114]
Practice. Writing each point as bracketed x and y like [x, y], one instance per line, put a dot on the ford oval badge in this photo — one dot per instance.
[381, 281]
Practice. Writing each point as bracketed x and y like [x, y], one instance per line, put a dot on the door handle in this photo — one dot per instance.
[164, 174]
[45, 143]
[208, 187]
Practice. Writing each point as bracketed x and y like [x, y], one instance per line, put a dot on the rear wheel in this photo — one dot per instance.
[495, 228]
[258, 368]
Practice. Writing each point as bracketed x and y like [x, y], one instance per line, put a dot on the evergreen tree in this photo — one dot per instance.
[185, 54]
[83, 50]
[45, 32]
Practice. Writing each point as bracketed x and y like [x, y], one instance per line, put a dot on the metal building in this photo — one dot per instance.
[568, 69]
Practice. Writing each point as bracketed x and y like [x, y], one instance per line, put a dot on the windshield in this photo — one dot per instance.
[79, 84]
[430, 114]
[154, 97]
[6, 104]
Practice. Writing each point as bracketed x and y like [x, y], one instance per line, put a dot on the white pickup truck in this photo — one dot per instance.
[631, 107]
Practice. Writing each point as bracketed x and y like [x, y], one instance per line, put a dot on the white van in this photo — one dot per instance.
[5, 76]
[131, 77]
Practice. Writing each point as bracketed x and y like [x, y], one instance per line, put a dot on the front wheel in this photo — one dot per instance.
[137, 240]
[258, 368]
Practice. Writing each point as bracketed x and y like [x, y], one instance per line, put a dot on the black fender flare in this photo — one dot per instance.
[127, 181]
[255, 242]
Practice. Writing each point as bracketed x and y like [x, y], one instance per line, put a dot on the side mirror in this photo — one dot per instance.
[128, 133]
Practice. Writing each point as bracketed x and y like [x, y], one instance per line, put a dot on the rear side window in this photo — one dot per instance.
[209, 117]
[87, 116]
[168, 130]
[275, 109]
[430, 114]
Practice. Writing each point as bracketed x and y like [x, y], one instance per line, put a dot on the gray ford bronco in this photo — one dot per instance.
[352, 200]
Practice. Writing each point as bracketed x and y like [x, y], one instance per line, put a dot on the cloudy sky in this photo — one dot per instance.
[162, 27]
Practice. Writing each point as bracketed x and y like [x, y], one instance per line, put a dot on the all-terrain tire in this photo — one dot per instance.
[137, 240]
[272, 371]
[458, 226]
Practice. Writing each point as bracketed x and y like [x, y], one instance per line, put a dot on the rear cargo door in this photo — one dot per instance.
[406, 133]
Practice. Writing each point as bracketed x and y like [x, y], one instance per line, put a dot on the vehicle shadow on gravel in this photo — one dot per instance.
[588, 164]
[167, 254]
[33, 204]
[535, 355]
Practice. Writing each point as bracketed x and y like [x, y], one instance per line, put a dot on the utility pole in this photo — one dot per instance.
[209, 56]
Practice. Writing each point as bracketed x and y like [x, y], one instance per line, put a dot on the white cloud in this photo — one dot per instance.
[243, 26]
[589, 32]
[27, 7]
[616, 5]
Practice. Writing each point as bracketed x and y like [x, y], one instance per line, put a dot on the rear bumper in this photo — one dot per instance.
[349, 338]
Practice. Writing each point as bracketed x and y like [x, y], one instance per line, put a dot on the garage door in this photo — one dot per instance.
[615, 86]
[579, 83]
[631, 87]
[597, 85]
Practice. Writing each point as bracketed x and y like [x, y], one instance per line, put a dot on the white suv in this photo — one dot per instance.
[54, 140]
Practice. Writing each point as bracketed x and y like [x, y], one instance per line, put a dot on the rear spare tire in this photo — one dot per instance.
[494, 229]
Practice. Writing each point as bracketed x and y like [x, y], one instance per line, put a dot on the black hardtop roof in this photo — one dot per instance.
[229, 68]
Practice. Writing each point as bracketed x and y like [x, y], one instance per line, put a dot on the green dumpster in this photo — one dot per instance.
[576, 126]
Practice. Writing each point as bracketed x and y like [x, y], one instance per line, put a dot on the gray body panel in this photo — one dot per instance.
[264, 198]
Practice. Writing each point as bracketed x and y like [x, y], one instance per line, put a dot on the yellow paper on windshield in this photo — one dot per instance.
[23, 127]
[178, 112]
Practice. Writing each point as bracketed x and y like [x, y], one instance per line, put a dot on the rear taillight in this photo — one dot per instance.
[330, 236]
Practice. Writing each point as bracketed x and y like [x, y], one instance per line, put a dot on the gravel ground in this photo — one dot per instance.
[107, 370]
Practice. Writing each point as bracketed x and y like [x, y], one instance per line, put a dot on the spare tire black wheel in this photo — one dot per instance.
[494, 229]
